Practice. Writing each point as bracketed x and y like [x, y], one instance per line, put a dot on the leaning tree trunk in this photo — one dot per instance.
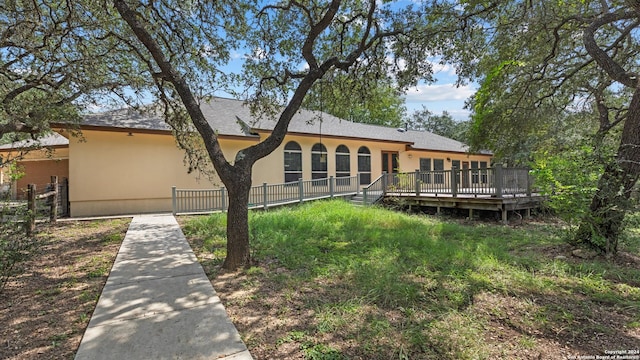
[603, 226]
[238, 250]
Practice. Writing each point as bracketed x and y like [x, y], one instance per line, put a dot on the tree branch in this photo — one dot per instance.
[608, 64]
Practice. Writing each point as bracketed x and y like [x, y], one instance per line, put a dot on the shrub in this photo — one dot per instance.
[15, 246]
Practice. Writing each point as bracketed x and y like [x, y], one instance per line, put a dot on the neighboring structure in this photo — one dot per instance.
[37, 160]
[127, 162]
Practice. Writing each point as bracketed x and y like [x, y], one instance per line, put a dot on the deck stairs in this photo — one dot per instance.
[357, 200]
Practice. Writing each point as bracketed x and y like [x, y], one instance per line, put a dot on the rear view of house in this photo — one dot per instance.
[127, 162]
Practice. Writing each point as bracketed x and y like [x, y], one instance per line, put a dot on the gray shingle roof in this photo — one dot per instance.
[223, 115]
[53, 139]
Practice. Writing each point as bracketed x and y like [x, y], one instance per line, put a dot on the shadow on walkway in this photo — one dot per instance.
[158, 303]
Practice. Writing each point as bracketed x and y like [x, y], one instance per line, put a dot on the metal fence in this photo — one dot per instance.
[188, 201]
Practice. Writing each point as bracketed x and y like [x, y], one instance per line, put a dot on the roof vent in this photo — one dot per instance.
[401, 130]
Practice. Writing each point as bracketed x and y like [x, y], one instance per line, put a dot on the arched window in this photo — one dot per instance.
[319, 162]
[292, 162]
[364, 165]
[343, 162]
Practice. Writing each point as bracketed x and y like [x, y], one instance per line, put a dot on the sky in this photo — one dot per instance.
[443, 95]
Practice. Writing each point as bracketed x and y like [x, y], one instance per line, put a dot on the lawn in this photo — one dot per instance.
[45, 310]
[334, 281]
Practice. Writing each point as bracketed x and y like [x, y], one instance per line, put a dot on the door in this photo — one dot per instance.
[390, 161]
[465, 174]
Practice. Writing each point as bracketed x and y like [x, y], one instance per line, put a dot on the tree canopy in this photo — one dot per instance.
[546, 66]
[442, 124]
[362, 100]
[173, 53]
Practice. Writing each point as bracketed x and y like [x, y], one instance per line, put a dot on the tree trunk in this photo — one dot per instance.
[603, 226]
[238, 250]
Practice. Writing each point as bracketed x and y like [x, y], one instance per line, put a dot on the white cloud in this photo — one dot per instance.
[439, 92]
[443, 68]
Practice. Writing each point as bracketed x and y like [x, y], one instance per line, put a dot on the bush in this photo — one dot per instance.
[569, 179]
[15, 247]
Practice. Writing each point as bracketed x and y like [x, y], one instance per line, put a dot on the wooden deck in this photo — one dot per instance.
[494, 189]
[473, 202]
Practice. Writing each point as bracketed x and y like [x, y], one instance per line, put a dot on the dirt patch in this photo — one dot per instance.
[45, 311]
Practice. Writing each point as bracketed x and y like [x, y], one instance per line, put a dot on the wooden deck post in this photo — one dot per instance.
[265, 198]
[53, 213]
[223, 198]
[497, 180]
[31, 207]
[358, 184]
[417, 180]
[332, 182]
[505, 213]
[384, 183]
[454, 181]
[174, 200]
[301, 190]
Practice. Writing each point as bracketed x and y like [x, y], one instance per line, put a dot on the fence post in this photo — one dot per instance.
[497, 179]
[53, 214]
[529, 181]
[174, 201]
[358, 184]
[67, 203]
[331, 185]
[264, 195]
[223, 199]
[454, 181]
[417, 182]
[31, 207]
[300, 189]
[364, 196]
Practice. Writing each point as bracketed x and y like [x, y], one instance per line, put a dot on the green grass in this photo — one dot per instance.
[409, 286]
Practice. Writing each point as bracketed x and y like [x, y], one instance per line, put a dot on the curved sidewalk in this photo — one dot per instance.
[158, 303]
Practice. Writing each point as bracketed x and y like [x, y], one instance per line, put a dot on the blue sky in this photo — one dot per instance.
[443, 95]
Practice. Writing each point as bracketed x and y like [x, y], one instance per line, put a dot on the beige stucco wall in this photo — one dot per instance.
[271, 169]
[37, 166]
[114, 173]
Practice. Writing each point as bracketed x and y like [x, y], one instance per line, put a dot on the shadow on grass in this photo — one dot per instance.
[370, 283]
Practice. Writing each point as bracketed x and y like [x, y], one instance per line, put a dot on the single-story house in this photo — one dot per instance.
[127, 162]
[36, 160]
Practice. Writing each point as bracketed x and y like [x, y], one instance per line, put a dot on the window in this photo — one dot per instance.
[438, 166]
[319, 162]
[292, 162]
[475, 176]
[425, 167]
[483, 172]
[364, 165]
[343, 162]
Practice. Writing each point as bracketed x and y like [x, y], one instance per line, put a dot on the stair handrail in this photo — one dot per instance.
[379, 182]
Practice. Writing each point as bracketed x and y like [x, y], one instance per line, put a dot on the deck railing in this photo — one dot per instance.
[486, 182]
[495, 182]
[265, 195]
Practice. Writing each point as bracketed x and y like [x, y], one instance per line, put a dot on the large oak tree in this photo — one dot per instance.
[545, 62]
[293, 44]
[173, 53]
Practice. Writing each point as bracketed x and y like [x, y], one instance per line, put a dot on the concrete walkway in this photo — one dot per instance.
[158, 303]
